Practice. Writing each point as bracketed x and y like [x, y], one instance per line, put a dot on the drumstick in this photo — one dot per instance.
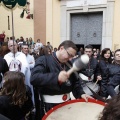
[79, 64]
[95, 83]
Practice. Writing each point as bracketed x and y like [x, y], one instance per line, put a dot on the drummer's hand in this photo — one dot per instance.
[63, 76]
[99, 77]
[85, 97]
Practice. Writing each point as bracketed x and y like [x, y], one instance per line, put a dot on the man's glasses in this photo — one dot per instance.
[70, 55]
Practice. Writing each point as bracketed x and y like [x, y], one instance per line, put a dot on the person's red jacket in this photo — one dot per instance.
[2, 37]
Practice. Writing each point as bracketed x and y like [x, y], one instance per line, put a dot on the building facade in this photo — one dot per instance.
[47, 21]
[94, 22]
[116, 26]
[22, 26]
[88, 22]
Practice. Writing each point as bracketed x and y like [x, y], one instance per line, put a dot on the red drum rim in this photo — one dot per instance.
[69, 102]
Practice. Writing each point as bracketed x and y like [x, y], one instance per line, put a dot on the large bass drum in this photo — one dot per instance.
[76, 110]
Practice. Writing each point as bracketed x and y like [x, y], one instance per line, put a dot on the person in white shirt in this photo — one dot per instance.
[38, 45]
[30, 58]
[31, 62]
[15, 58]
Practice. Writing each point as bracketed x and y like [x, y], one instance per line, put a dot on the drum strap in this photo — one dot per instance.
[83, 82]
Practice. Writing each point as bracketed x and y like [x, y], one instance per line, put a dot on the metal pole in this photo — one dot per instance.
[12, 24]
[13, 32]
[8, 23]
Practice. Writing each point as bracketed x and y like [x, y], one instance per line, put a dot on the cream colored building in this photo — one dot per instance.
[54, 22]
[44, 26]
[94, 15]
[116, 26]
[47, 21]
[22, 26]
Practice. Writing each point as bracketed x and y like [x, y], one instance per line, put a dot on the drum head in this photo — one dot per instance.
[76, 110]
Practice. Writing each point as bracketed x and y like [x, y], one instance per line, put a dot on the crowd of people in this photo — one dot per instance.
[28, 68]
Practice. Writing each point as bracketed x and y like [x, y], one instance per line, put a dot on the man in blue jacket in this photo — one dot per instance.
[50, 75]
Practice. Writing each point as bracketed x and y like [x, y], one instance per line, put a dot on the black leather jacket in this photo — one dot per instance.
[45, 75]
[114, 78]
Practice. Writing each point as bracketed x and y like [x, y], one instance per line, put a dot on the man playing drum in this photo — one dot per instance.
[50, 75]
[90, 73]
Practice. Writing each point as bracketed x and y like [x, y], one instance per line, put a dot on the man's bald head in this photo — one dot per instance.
[12, 45]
